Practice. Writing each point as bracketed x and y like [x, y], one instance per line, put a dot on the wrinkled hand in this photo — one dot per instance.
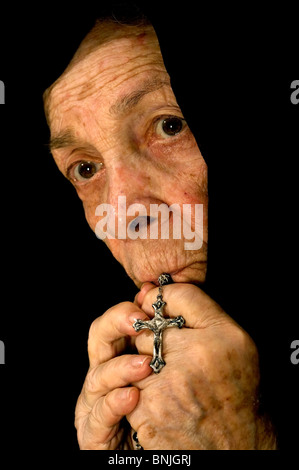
[107, 397]
[206, 397]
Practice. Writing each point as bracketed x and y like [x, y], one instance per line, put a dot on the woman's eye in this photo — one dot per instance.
[170, 126]
[85, 170]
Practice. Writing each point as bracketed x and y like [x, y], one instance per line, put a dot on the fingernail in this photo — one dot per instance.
[138, 361]
[137, 316]
[137, 297]
[146, 284]
[124, 394]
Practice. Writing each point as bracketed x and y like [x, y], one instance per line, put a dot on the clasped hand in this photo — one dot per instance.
[206, 397]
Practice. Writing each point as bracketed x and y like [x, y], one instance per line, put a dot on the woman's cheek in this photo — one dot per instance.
[178, 151]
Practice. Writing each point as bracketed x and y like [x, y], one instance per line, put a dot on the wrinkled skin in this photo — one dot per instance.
[89, 122]
[206, 397]
[107, 108]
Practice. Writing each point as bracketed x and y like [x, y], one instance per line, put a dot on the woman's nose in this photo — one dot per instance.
[134, 180]
[132, 185]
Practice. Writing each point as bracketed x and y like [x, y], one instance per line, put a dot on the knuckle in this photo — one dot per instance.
[80, 433]
[92, 331]
[188, 291]
[126, 305]
[91, 383]
[107, 404]
[244, 343]
[96, 412]
[81, 410]
[95, 340]
[96, 324]
[96, 381]
[105, 409]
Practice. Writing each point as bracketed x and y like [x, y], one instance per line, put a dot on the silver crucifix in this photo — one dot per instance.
[157, 325]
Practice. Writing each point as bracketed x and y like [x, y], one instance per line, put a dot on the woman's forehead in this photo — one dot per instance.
[111, 71]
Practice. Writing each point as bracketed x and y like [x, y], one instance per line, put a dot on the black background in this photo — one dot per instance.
[231, 70]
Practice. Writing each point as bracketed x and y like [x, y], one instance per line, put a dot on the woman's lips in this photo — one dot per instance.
[193, 273]
[173, 274]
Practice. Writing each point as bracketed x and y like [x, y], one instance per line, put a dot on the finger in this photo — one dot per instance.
[102, 425]
[115, 324]
[188, 300]
[119, 372]
[139, 297]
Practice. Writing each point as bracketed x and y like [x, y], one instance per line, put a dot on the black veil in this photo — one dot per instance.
[231, 70]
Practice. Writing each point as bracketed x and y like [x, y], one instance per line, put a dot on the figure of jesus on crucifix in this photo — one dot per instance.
[158, 324]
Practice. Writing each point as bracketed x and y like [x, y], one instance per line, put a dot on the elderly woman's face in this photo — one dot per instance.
[117, 130]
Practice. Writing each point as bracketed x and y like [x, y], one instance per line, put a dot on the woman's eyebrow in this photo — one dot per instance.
[123, 105]
[126, 103]
[67, 138]
[63, 139]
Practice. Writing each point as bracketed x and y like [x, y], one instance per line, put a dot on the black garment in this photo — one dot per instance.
[231, 70]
